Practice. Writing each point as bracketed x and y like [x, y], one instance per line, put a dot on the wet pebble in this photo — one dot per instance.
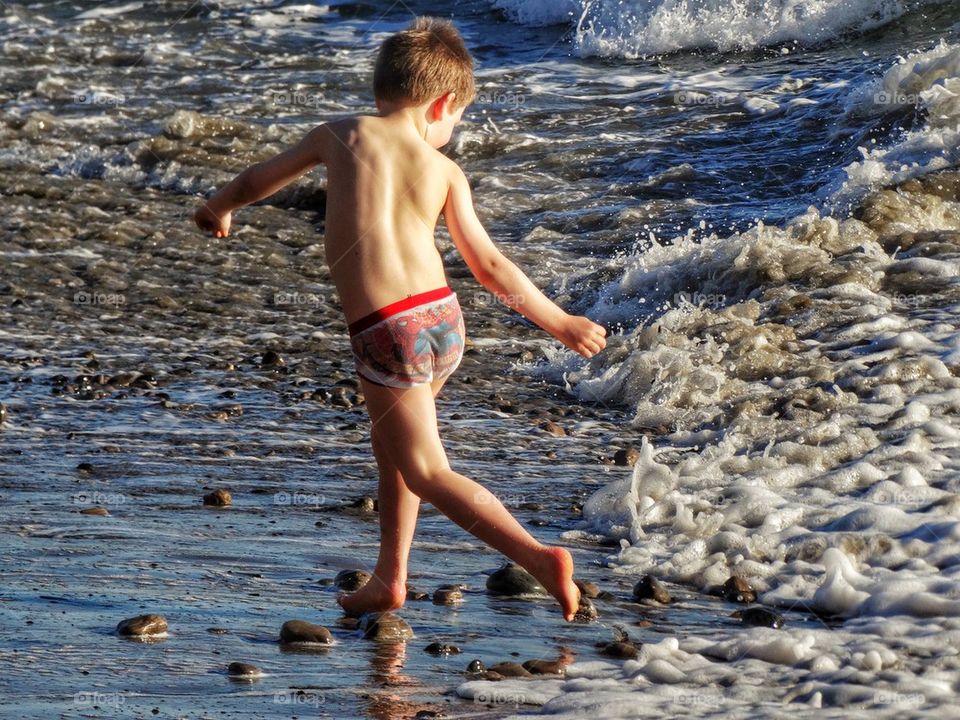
[417, 595]
[448, 595]
[512, 580]
[626, 456]
[552, 428]
[143, 625]
[649, 588]
[97, 510]
[510, 669]
[760, 617]
[586, 611]
[244, 671]
[545, 667]
[619, 649]
[301, 631]
[476, 666]
[271, 359]
[3, 413]
[587, 588]
[738, 590]
[385, 627]
[442, 649]
[351, 580]
[218, 498]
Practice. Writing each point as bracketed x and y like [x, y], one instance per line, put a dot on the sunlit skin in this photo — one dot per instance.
[387, 184]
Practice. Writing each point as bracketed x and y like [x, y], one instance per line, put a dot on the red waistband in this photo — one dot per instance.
[398, 307]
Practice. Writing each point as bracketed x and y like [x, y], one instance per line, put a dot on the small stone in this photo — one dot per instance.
[417, 595]
[760, 617]
[476, 666]
[243, 670]
[3, 413]
[587, 588]
[738, 590]
[217, 631]
[627, 456]
[619, 649]
[85, 468]
[218, 498]
[442, 649]
[586, 611]
[363, 505]
[385, 627]
[448, 595]
[351, 580]
[552, 428]
[429, 715]
[271, 358]
[301, 631]
[545, 667]
[649, 588]
[96, 510]
[143, 626]
[491, 675]
[512, 580]
[510, 669]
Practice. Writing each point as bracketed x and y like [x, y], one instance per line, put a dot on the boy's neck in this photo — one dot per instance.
[411, 116]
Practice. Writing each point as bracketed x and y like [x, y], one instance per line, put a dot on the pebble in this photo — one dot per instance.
[649, 588]
[587, 588]
[448, 595]
[476, 666]
[442, 649]
[218, 498]
[627, 456]
[351, 580]
[545, 667]
[417, 594]
[271, 358]
[385, 627]
[553, 428]
[243, 670]
[513, 580]
[619, 649]
[586, 611]
[759, 616]
[96, 510]
[738, 590]
[143, 626]
[3, 413]
[301, 631]
[510, 669]
[363, 506]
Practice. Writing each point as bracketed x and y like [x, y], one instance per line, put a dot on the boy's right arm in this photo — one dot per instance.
[503, 278]
[261, 180]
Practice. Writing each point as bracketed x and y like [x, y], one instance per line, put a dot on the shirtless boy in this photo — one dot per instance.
[387, 184]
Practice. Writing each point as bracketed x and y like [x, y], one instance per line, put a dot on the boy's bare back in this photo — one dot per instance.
[386, 187]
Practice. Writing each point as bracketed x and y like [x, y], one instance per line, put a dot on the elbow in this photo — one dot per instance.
[490, 268]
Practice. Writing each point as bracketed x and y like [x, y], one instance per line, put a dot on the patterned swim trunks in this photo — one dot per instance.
[410, 342]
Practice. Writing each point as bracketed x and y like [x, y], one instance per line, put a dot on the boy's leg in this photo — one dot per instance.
[398, 509]
[406, 423]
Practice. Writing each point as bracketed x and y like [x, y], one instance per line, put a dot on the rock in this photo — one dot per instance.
[491, 675]
[441, 649]
[429, 715]
[243, 670]
[510, 669]
[96, 510]
[271, 358]
[759, 616]
[512, 580]
[627, 456]
[218, 498]
[552, 428]
[417, 594]
[738, 590]
[3, 413]
[586, 612]
[84, 468]
[587, 588]
[351, 580]
[363, 505]
[619, 649]
[385, 627]
[301, 631]
[649, 588]
[545, 667]
[150, 625]
[476, 666]
[448, 595]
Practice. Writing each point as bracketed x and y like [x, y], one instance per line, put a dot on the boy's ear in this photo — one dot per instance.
[444, 102]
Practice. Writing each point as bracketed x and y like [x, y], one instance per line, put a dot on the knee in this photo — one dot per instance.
[423, 481]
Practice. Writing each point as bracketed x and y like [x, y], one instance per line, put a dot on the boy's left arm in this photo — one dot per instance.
[260, 181]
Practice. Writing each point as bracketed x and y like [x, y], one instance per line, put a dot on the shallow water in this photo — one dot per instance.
[797, 379]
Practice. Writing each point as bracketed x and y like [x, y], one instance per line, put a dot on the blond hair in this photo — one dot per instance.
[426, 60]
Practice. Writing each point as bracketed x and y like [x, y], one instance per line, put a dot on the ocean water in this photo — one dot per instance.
[760, 200]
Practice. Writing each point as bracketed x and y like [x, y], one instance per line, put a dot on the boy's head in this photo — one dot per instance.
[426, 61]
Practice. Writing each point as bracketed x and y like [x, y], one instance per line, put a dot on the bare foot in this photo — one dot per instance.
[375, 596]
[554, 570]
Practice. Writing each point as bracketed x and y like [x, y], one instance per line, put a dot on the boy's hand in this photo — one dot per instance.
[209, 221]
[582, 335]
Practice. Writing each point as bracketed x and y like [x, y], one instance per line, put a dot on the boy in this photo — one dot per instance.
[387, 183]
